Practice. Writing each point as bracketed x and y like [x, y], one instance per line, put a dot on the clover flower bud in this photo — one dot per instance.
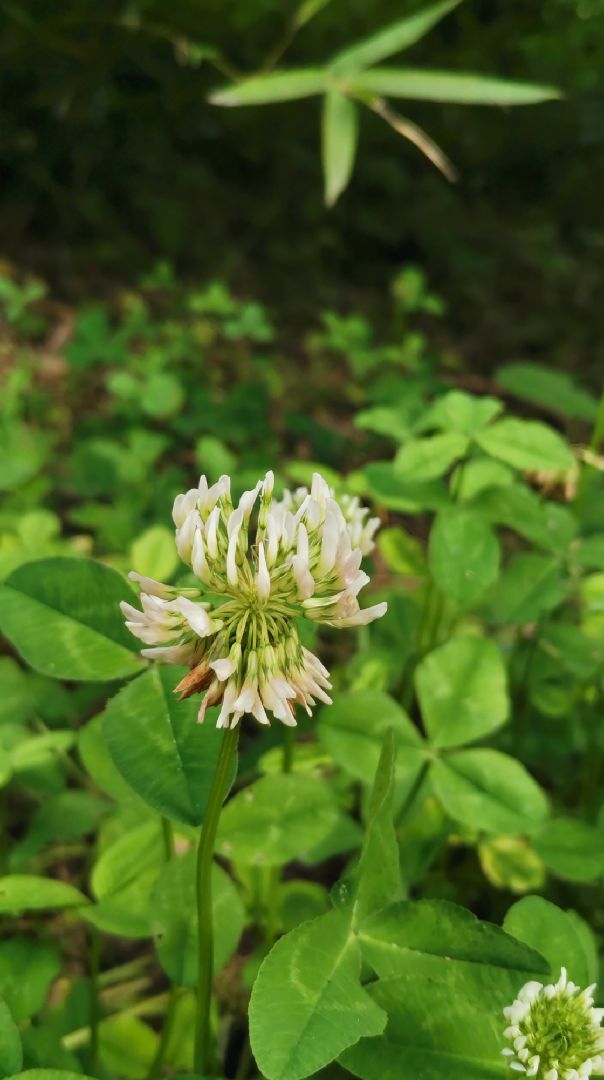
[555, 1032]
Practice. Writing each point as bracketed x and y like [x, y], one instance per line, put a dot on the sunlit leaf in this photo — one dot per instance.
[339, 142]
[459, 88]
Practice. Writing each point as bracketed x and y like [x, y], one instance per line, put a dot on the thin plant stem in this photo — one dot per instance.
[245, 1060]
[205, 856]
[412, 794]
[94, 959]
[289, 743]
[166, 1031]
[595, 445]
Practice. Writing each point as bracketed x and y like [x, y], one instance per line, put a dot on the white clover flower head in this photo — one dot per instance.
[555, 1032]
[261, 565]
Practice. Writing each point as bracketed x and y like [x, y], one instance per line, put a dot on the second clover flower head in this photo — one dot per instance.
[260, 565]
[555, 1032]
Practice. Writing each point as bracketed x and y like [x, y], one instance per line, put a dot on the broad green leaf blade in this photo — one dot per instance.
[378, 874]
[127, 1046]
[392, 39]
[27, 968]
[276, 86]
[526, 445]
[173, 904]
[276, 820]
[530, 585]
[340, 133]
[445, 978]
[510, 862]
[63, 616]
[50, 1074]
[399, 493]
[307, 1005]
[460, 412]
[158, 746]
[428, 458]
[154, 554]
[488, 790]
[560, 936]
[352, 730]
[463, 555]
[459, 88]
[571, 848]
[462, 690]
[11, 1051]
[546, 524]
[554, 390]
[26, 892]
[137, 850]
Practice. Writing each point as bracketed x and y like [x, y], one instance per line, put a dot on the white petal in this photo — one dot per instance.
[363, 617]
[196, 616]
[149, 585]
[224, 668]
[199, 563]
[263, 578]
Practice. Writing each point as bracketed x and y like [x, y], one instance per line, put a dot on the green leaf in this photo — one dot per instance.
[40, 749]
[460, 412]
[426, 459]
[462, 691]
[459, 88]
[62, 615]
[275, 820]
[488, 790]
[174, 918]
[275, 86]
[11, 1052]
[378, 874]
[50, 1074]
[162, 395]
[526, 445]
[391, 39]
[127, 1046]
[480, 475]
[444, 979]
[340, 133]
[554, 390]
[560, 936]
[529, 586]
[154, 554]
[510, 862]
[158, 746]
[307, 1004]
[464, 555]
[544, 523]
[589, 553]
[121, 862]
[401, 552]
[25, 892]
[352, 730]
[27, 968]
[397, 493]
[573, 849]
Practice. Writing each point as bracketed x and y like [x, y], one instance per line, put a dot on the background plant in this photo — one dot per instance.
[472, 711]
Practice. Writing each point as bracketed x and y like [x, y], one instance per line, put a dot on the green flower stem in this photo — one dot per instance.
[205, 856]
[289, 742]
[94, 960]
[166, 1031]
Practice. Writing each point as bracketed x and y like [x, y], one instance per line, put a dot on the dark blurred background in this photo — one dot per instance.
[111, 158]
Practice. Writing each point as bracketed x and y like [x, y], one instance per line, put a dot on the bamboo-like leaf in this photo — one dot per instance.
[460, 88]
[391, 39]
[273, 87]
[340, 132]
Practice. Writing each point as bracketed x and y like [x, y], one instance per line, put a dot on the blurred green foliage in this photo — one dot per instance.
[111, 154]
